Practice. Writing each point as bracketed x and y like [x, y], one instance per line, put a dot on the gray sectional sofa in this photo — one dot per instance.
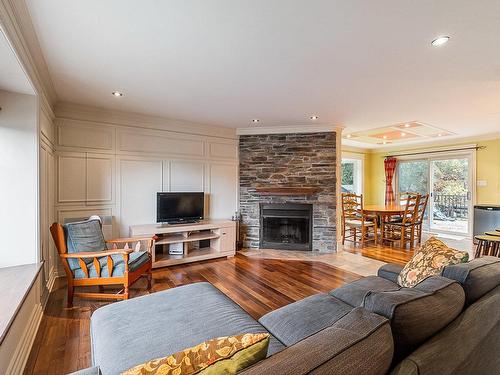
[448, 324]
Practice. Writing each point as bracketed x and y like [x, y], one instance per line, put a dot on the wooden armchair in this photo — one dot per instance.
[88, 262]
[355, 221]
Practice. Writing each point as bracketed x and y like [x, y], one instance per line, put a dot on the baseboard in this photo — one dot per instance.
[23, 349]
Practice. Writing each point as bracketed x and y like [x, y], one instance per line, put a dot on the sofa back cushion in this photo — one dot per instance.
[417, 313]
[358, 343]
[477, 277]
[468, 346]
[83, 236]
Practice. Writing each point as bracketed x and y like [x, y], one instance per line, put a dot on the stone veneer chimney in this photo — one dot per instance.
[289, 160]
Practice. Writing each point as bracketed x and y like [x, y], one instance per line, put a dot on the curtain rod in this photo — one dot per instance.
[433, 152]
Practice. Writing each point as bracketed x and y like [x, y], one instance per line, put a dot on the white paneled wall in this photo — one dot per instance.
[117, 169]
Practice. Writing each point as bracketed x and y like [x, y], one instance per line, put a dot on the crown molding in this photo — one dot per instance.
[15, 22]
[304, 128]
[437, 145]
[358, 150]
[71, 111]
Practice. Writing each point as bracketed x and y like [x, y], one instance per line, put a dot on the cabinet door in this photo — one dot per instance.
[72, 178]
[223, 190]
[227, 239]
[140, 180]
[100, 178]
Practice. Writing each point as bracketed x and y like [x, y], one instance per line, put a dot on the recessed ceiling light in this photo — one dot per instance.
[384, 142]
[348, 136]
[314, 117]
[384, 136]
[440, 135]
[403, 134]
[118, 94]
[407, 125]
[439, 41]
[255, 120]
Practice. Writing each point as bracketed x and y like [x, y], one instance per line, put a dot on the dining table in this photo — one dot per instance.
[383, 210]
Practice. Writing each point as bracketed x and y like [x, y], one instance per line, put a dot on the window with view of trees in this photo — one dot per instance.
[351, 172]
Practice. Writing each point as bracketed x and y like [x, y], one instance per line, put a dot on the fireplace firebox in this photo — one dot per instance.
[286, 226]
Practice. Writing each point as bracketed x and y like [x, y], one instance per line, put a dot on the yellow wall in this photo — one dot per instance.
[487, 168]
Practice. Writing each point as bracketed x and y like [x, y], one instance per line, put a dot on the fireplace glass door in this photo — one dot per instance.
[286, 226]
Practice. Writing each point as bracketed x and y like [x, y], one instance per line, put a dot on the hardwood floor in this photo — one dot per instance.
[62, 344]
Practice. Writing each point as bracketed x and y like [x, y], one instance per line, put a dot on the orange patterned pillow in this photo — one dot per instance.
[223, 355]
[429, 261]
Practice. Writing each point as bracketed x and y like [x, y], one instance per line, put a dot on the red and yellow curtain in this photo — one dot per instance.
[390, 168]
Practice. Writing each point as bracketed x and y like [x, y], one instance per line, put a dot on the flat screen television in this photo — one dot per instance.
[179, 207]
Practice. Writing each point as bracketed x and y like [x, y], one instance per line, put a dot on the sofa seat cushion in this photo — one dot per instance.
[128, 333]
[358, 343]
[355, 293]
[477, 277]
[303, 318]
[135, 260]
[417, 313]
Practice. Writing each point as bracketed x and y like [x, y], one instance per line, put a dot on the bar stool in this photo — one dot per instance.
[492, 233]
[487, 245]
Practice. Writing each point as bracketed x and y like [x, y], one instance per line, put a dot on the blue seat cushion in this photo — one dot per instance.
[83, 236]
[135, 260]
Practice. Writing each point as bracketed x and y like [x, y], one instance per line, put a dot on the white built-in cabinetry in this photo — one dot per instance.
[117, 169]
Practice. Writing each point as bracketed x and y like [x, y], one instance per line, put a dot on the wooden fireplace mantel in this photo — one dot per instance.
[290, 191]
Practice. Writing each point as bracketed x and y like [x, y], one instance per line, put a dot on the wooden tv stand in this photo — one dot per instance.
[221, 233]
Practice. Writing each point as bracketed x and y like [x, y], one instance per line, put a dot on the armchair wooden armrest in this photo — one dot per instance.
[131, 239]
[96, 254]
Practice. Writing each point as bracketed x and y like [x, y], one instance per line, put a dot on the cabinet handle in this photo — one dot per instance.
[224, 233]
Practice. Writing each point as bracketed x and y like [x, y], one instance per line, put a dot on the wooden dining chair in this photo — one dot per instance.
[355, 222]
[402, 229]
[419, 220]
[87, 261]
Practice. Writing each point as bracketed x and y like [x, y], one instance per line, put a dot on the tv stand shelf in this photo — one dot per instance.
[220, 233]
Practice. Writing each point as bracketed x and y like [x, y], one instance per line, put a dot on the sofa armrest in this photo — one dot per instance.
[390, 272]
[87, 371]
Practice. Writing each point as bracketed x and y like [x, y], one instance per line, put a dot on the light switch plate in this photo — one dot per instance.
[482, 183]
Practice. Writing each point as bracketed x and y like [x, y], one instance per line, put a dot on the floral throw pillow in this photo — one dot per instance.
[224, 355]
[429, 261]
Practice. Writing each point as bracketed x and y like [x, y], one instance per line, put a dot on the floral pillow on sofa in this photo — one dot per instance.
[433, 256]
[223, 355]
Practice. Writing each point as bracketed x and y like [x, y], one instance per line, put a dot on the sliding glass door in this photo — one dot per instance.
[451, 195]
[448, 180]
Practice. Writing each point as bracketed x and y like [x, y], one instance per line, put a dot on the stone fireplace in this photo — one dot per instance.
[288, 172]
[286, 226]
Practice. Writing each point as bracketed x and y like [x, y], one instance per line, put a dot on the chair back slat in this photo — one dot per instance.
[97, 267]
[110, 265]
[421, 207]
[403, 196]
[83, 266]
[411, 208]
[352, 206]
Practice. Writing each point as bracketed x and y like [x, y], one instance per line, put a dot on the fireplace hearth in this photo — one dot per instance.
[286, 226]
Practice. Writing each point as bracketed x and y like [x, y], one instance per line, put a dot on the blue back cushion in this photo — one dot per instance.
[83, 236]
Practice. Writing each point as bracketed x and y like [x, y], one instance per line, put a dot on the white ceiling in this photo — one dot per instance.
[12, 76]
[357, 63]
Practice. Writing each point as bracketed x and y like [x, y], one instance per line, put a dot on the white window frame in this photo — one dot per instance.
[351, 156]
